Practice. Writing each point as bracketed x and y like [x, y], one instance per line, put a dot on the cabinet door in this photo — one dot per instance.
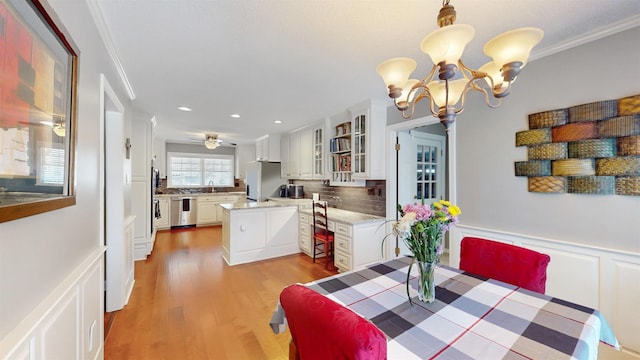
[318, 153]
[206, 212]
[359, 140]
[285, 168]
[163, 220]
[294, 154]
[248, 230]
[306, 153]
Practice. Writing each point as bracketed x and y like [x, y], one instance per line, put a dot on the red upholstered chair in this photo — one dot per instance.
[505, 262]
[323, 329]
[322, 237]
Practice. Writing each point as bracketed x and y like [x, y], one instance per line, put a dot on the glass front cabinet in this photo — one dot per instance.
[357, 145]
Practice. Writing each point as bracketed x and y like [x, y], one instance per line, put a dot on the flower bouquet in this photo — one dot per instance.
[422, 228]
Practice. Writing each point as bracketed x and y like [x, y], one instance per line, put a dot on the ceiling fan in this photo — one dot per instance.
[211, 141]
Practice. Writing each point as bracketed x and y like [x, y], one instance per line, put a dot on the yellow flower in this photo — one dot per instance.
[445, 202]
[437, 205]
[454, 210]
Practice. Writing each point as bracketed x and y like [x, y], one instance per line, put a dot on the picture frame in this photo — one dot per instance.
[38, 88]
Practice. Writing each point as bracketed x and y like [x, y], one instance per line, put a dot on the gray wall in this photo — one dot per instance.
[38, 252]
[489, 194]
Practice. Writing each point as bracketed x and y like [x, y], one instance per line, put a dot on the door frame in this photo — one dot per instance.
[391, 202]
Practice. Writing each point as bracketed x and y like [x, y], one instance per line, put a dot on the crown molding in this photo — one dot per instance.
[105, 34]
[597, 34]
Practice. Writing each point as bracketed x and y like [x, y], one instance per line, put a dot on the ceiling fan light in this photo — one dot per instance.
[59, 130]
[513, 46]
[447, 43]
[396, 71]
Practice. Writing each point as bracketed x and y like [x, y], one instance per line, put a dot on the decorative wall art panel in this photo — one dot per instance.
[590, 148]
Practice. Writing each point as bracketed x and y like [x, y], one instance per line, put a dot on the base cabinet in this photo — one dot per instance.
[257, 234]
[209, 210]
[163, 221]
[357, 245]
[304, 233]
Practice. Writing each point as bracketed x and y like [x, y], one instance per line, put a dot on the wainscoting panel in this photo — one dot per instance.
[57, 328]
[604, 279]
[626, 315]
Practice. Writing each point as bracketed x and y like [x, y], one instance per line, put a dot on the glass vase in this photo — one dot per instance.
[426, 284]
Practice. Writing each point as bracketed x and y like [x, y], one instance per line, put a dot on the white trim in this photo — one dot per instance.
[597, 34]
[25, 334]
[105, 34]
[391, 132]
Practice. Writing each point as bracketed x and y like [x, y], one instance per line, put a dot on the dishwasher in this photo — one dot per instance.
[183, 211]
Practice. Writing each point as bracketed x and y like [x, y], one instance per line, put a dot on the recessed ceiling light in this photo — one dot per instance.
[277, 122]
[184, 108]
[235, 115]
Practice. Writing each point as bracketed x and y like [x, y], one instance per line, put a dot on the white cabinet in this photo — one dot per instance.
[357, 146]
[163, 221]
[268, 148]
[209, 210]
[244, 154]
[357, 245]
[285, 169]
[306, 152]
[257, 234]
[206, 210]
[304, 233]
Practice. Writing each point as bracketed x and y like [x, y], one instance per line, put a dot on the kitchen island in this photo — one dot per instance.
[254, 231]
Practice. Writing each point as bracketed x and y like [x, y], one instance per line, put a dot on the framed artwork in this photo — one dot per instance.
[38, 80]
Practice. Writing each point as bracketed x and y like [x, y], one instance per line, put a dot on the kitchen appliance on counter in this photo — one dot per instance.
[284, 191]
[263, 180]
[296, 191]
[183, 211]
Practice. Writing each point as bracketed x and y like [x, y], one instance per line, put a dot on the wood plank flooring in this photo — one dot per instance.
[187, 303]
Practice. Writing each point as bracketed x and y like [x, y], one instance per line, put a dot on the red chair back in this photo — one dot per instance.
[323, 329]
[505, 262]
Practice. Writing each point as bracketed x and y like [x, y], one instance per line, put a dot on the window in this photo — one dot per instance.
[195, 170]
[51, 166]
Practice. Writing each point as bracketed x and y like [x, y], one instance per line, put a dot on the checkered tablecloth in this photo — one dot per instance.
[472, 317]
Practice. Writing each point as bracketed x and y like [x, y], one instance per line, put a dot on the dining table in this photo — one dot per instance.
[472, 317]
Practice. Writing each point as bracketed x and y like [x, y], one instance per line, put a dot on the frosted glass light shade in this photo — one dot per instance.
[396, 71]
[492, 70]
[438, 91]
[447, 43]
[513, 45]
[406, 89]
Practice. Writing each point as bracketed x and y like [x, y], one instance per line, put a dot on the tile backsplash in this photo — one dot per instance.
[370, 199]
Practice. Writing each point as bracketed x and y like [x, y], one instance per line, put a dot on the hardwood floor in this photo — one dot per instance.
[187, 303]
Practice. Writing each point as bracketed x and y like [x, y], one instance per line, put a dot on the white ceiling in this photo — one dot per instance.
[300, 61]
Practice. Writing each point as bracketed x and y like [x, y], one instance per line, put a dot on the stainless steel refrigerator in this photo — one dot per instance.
[263, 180]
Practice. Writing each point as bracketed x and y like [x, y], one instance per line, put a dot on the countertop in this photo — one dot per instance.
[218, 193]
[346, 216]
[255, 205]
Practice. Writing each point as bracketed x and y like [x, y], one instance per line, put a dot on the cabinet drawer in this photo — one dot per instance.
[304, 242]
[343, 244]
[331, 225]
[304, 229]
[303, 218]
[342, 261]
[343, 229]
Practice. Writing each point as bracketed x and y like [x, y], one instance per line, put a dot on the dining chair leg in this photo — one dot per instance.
[314, 250]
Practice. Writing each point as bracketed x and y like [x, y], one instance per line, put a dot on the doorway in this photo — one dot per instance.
[113, 182]
[423, 167]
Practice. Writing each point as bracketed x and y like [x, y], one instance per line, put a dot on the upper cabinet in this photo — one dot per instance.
[244, 154]
[268, 148]
[306, 152]
[357, 145]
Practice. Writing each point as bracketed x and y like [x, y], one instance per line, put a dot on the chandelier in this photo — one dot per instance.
[446, 94]
[211, 142]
